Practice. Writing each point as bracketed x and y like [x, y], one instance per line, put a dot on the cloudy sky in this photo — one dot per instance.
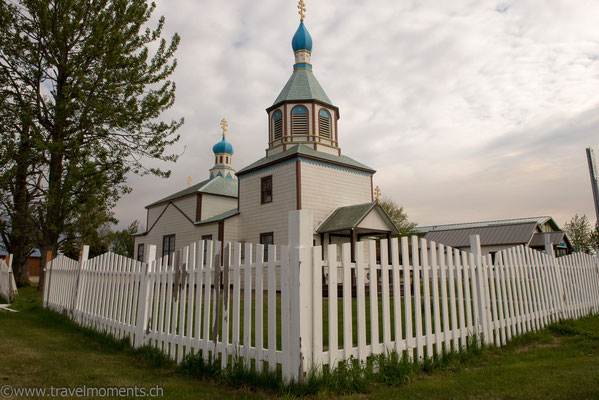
[468, 110]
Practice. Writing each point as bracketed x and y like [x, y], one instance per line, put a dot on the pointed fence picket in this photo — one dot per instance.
[413, 297]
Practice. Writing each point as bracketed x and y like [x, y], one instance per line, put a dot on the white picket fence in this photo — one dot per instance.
[410, 296]
[8, 286]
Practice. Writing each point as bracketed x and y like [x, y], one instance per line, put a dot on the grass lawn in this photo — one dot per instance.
[37, 349]
[551, 364]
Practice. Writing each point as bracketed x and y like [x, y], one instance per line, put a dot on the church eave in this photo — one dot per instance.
[309, 101]
[300, 157]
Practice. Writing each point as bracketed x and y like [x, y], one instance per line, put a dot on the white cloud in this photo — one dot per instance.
[468, 109]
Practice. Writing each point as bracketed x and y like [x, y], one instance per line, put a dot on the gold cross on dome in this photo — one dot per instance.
[188, 181]
[302, 9]
[224, 124]
[377, 194]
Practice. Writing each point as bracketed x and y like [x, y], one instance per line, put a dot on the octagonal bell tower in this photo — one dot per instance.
[302, 113]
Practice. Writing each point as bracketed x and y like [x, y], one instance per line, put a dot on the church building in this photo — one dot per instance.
[303, 169]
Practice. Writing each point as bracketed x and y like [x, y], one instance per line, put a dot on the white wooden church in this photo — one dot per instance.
[304, 169]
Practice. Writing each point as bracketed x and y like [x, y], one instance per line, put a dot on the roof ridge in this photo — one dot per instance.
[499, 221]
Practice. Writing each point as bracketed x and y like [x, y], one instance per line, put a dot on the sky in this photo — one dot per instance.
[468, 110]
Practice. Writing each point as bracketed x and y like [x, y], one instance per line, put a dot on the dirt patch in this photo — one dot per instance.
[522, 349]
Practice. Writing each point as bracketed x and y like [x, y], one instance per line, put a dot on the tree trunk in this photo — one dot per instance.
[53, 223]
[21, 229]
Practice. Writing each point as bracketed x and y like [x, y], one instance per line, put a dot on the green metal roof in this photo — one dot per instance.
[303, 85]
[302, 149]
[348, 217]
[219, 186]
[219, 217]
[513, 221]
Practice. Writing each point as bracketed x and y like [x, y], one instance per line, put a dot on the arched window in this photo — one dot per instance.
[277, 125]
[324, 123]
[299, 121]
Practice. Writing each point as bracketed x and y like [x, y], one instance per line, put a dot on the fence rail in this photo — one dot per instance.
[270, 309]
[8, 286]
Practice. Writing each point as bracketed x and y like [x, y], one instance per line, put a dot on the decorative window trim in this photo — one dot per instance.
[299, 121]
[277, 125]
[324, 124]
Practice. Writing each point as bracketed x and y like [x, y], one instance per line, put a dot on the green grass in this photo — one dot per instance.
[559, 362]
[39, 348]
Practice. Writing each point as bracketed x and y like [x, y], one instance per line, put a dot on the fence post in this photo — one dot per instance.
[300, 237]
[143, 306]
[483, 289]
[82, 260]
[556, 270]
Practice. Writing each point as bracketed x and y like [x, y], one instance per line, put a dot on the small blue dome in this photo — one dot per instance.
[223, 147]
[302, 39]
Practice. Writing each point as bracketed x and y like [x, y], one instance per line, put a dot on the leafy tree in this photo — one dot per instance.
[595, 238]
[398, 215]
[122, 241]
[579, 232]
[80, 75]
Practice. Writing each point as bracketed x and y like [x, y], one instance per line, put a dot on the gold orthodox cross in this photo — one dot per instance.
[224, 124]
[302, 9]
[188, 181]
[377, 194]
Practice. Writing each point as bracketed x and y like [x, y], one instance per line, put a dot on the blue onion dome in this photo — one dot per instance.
[223, 147]
[302, 39]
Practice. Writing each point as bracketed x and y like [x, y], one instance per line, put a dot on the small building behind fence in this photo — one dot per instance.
[534, 232]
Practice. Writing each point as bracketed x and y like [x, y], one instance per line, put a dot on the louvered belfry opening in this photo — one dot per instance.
[324, 124]
[299, 121]
[277, 125]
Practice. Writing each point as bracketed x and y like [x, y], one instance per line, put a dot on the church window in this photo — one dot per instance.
[266, 239]
[266, 190]
[168, 247]
[277, 124]
[324, 124]
[299, 121]
[205, 239]
[140, 252]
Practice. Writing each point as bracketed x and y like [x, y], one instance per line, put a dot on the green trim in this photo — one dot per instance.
[219, 217]
[303, 150]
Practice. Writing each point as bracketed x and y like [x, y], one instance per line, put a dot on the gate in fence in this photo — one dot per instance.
[411, 296]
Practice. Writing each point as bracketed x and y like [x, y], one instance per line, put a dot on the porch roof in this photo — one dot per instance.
[350, 217]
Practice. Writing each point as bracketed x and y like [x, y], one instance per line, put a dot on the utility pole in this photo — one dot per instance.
[594, 183]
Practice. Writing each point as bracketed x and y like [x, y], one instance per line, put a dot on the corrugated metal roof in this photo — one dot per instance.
[301, 149]
[219, 186]
[537, 220]
[302, 85]
[489, 235]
